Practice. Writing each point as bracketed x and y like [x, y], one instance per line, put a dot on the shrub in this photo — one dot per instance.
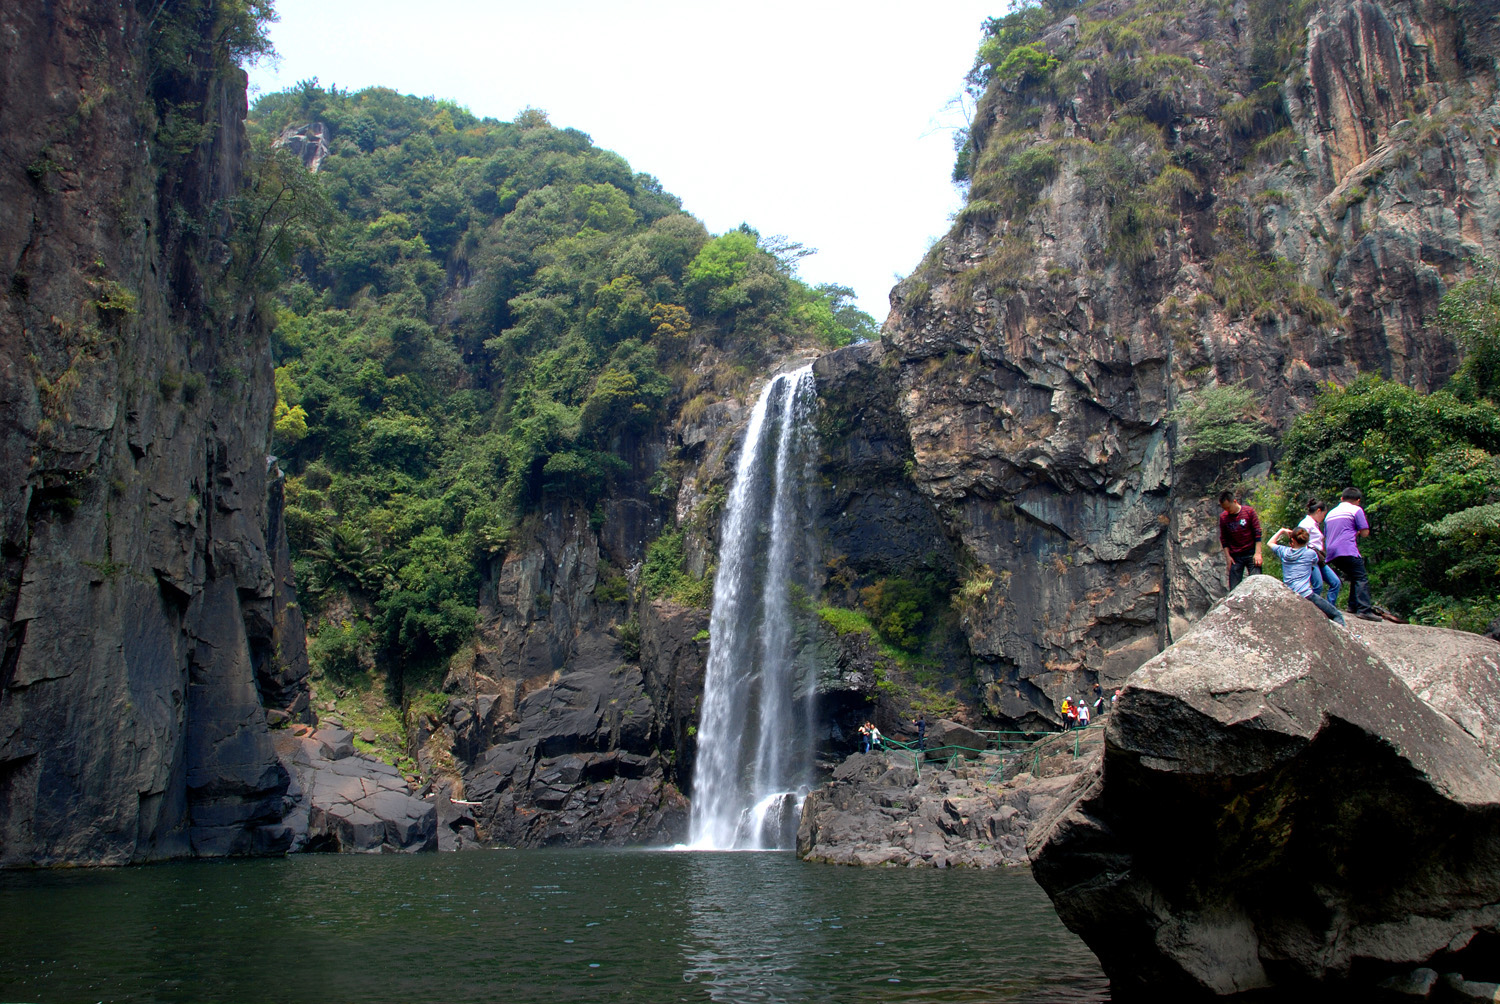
[1218, 421]
[897, 608]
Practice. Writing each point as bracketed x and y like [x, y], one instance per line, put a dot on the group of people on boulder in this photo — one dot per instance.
[1317, 556]
[871, 736]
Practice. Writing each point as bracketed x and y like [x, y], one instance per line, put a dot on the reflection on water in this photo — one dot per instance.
[586, 926]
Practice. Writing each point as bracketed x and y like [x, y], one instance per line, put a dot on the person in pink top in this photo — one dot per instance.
[1342, 529]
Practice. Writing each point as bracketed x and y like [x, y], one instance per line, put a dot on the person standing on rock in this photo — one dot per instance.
[1323, 577]
[1298, 562]
[1342, 528]
[864, 734]
[1239, 535]
[921, 724]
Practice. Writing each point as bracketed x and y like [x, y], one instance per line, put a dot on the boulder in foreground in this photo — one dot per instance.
[1277, 809]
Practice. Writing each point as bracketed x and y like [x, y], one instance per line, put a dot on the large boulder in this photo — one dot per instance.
[340, 800]
[1276, 808]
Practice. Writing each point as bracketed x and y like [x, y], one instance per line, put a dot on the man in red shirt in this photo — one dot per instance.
[1239, 535]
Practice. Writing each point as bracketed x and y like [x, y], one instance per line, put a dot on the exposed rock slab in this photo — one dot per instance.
[346, 801]
[1277, 808]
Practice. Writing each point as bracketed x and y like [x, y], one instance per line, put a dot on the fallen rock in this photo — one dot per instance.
[1275, 808]
[947, 739]
[347, 801]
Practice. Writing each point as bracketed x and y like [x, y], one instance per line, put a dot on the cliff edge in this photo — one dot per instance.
[145, 616]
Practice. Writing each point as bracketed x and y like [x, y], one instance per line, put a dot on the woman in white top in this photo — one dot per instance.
[1322, 574]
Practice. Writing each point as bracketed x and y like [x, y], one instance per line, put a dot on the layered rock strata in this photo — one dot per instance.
[143, 620]
[1276, 808]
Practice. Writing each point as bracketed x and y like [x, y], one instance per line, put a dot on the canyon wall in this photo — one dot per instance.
[1175, 195]
[146, 607]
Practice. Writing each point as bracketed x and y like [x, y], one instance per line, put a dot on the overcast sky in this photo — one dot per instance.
[829, 122]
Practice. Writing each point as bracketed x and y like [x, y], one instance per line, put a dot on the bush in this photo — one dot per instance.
[897, 609]
[1219, 421]
[341, 651]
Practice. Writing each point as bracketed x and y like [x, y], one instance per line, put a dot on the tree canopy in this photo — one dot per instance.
[475, 317]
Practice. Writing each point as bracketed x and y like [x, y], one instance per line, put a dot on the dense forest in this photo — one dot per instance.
[474, 316]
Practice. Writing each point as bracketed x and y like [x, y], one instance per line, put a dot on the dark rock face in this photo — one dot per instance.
[143, 620]
[1277, 808]
[555, 736]
[1037, 363]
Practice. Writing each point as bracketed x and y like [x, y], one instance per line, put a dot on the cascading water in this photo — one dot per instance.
[753, 759]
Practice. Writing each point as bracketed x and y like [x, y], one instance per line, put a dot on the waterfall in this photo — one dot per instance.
[753, 746]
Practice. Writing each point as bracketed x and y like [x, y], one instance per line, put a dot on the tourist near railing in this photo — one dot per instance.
[1015, 745]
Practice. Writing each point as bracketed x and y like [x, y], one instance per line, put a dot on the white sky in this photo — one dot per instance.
[827, 121]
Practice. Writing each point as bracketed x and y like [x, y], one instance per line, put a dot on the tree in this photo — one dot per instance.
[1470, 315]
[1223, 420]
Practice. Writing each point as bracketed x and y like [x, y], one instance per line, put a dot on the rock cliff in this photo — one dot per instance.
[1165, 195]
[145, 602]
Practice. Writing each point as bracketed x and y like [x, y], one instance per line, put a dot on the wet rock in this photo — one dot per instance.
[1276, 808]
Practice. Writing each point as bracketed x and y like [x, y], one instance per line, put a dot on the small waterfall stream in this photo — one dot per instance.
[753, 740]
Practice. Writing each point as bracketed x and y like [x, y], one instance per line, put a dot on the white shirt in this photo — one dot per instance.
[1314, 533]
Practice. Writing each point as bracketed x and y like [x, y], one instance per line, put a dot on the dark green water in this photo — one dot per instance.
[542, 926]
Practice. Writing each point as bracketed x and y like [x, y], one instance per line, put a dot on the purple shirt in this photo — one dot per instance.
[1341, 530]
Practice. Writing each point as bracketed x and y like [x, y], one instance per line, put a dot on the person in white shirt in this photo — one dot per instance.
[1323, 576]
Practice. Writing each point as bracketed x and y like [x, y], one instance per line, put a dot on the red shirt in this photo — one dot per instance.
[1239, 531]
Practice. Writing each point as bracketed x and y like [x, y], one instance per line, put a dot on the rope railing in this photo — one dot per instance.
[1032, 743]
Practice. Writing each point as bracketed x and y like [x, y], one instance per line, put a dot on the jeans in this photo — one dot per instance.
[1239, 566]
[1329, 610]
[1322, 575]
[1351, 568]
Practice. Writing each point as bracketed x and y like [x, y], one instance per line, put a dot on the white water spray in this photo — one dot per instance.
[749, 781]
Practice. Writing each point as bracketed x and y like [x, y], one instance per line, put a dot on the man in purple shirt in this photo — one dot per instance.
[1342, 528]
[1239, 535]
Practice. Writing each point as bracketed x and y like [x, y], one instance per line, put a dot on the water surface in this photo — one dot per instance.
[543, 926]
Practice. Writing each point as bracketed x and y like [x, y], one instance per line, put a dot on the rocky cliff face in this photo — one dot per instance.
[144, 600]
[1176, 193]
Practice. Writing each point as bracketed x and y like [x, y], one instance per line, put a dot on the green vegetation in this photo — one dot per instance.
[479, 319]
[1219, 421]
[1429, 468]
[663, 574]
[898, 607]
